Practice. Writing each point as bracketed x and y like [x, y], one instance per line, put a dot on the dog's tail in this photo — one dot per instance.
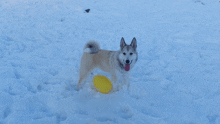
[91, 47]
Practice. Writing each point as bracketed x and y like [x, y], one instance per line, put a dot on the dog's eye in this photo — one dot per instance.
[131, 53]
[124, 53]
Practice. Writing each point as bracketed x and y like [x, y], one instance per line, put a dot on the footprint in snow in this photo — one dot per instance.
[212, 118]
[106, 119]
[6, 112]
[82, 112]
[150, 113]
[61, 117]
[125, 112]
[53, 72]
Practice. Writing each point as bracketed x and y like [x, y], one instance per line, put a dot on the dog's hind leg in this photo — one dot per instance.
[85, 71]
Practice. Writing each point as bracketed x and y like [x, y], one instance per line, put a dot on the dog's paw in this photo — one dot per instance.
[70, 89]
[77, 88]
[116, 88]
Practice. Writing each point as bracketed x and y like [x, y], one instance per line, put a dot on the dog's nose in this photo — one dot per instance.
[127, 61]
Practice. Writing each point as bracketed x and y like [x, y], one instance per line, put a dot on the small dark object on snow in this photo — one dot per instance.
[87, 10]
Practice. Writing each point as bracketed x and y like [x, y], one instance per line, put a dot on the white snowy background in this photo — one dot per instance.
[176, 79]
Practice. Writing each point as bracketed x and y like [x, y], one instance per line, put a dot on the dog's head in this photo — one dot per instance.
[128, 54]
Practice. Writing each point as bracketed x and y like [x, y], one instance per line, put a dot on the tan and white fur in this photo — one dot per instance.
[117, 63]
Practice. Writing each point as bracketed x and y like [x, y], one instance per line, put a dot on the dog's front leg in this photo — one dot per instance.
[114, 82]
[114, 78]
[126, 81]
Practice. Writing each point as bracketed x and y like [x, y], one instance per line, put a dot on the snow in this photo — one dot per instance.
[175, 80]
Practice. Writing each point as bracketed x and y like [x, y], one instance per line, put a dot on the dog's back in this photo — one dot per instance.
[94, 57]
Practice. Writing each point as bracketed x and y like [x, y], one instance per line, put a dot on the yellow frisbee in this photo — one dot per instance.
[102, 83]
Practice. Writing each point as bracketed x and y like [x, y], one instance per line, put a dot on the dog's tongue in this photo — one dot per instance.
[127, 67]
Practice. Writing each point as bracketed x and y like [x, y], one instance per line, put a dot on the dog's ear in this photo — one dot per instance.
[122, 44]
[134, 43]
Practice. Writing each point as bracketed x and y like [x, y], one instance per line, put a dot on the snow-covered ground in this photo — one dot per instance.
[175, 81]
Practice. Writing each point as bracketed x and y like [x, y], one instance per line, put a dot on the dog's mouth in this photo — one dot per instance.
[127, 66]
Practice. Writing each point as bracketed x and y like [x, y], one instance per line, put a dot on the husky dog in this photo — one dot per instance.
[117, 63]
